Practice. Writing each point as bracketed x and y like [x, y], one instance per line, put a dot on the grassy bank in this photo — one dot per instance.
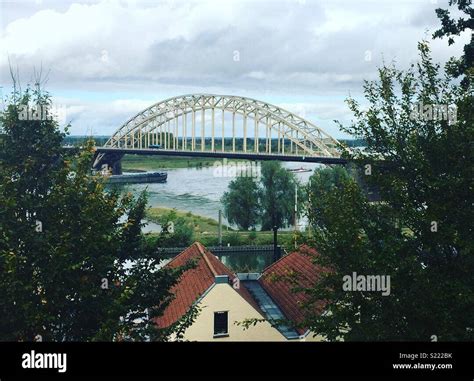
[240, 238]
[205, 230]
[199, 224]
[138, 163]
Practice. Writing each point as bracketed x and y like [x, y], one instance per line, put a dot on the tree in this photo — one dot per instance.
[73, 262]
[270, 202]
[325, 179]
[277, 195]
[175, 231]
[421, 234]
[450, 27]
[241, 202]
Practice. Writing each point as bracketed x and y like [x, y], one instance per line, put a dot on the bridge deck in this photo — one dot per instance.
[220, 154]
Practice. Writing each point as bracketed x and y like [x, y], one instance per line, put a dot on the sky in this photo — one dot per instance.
[105, 61]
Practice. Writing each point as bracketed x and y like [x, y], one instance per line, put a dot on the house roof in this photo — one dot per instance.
[194, 282]
[271, 310]
[280, 279]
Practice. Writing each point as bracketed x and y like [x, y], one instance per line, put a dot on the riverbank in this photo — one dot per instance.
[199, 224]
[142, 163]
[205, 230]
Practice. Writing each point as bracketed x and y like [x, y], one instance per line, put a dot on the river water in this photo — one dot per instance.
[199, 190]
[196, 190]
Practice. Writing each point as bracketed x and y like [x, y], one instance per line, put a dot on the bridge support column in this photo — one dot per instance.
[212, 130]
[184, 143]
[111, 161]
[255, 138]
[245, 130]
[203, 127]
[193, 131]
[175, 137]
[223, 132]
[279, 138]
[233, 131]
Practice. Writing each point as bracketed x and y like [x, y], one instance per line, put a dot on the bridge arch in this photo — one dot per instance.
[179, 123]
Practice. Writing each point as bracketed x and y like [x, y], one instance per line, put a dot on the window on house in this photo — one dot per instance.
[221, 323]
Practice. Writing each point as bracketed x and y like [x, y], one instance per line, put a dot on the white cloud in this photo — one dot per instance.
[152, 49]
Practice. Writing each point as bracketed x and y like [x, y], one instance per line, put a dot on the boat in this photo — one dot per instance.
[299, 170]
[147, 177]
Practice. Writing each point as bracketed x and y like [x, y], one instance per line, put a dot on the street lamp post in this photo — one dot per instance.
[276, 255]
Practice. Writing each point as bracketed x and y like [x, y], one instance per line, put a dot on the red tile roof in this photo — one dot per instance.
[194, 282]
[277, 280]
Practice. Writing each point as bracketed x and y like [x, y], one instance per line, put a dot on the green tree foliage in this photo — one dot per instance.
[452, 27]
[277, 195]
[421, 234]
[269, 202]
[324, 180]
[73, 262]
[175, 232]
[241, 202]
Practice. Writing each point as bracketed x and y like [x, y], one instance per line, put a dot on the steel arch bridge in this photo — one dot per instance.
[221, 126]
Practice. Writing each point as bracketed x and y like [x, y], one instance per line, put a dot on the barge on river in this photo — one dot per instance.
[148, 177]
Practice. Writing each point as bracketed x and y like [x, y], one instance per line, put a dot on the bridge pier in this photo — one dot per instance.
[108, 160]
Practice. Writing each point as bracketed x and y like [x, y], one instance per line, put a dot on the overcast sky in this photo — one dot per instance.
[107, 60]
